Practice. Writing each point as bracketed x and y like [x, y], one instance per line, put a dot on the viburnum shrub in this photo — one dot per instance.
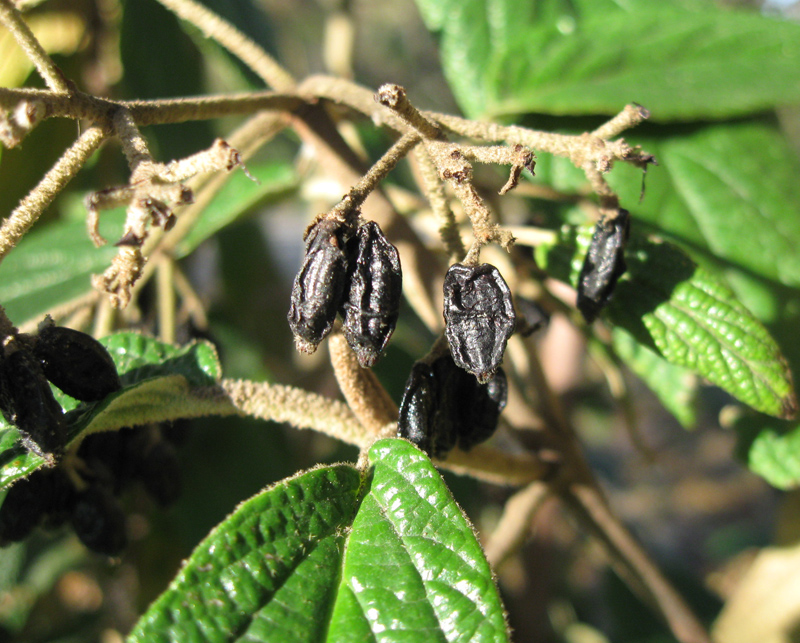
[429, 251]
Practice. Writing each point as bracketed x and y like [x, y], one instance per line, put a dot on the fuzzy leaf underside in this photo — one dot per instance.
[336, 554]
[156, 380]
[667, 302]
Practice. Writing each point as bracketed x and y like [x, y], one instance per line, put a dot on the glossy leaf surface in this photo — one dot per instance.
[335, 554]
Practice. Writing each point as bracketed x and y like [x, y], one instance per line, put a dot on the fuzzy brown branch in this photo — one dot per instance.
[514, 527]
[32, 206]
[365, 395]
[250, 53]
[12, 20]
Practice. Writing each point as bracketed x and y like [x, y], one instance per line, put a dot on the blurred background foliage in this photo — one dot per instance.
[699, 512]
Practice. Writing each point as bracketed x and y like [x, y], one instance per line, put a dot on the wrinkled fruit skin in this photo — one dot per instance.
[443, 406]
[372, 300]
[27, 402]
[76, 363]
[479, 317]
[603, 266]
[319, 286]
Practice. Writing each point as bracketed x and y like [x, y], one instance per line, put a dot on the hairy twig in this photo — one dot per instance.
[32, 206]
[515, 523]
[434, 191]
[250, 53]
[365, 395]
[12, 20]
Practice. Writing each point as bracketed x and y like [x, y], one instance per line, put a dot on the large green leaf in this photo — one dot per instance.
[667, 302]
[238, 196]
[682, 60]
[156, 379]
[336, 554]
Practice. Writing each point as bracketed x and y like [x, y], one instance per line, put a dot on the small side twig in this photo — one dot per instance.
[514, 526]
[251, 54]
[32, 206]
[12, 20]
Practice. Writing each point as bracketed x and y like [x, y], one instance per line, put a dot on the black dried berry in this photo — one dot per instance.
[443, 406]
[319, 287]
[76, 363]
[99, 522]
[604, 265]
[481, 408]
[479, 317]
[416, 420]
[372, 299]
[27, 402]
[60, 497]
[531, 316]
[23, 509]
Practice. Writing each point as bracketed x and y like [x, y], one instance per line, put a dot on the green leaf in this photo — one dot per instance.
[729, 191]
[770, 448]
[681, 60]
[336, 554]
[667, 302]
[156, 379]
[676, 387]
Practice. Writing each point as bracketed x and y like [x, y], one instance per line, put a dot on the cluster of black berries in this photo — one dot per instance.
[352, 272]
[85, 491]
[456, 399]
[73, 361]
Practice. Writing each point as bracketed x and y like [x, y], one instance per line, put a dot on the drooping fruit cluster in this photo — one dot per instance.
[87, 495]
[357, 275]
[604, 264]
[75, 362]
[444, 406]
[456, 400]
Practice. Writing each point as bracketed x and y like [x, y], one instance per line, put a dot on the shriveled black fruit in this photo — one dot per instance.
[319, 287]
[443, 405]
[372, 298]
[99, 522]
[531, 316]
[160, 473]
[23, 509]
[604, 265]
[479, 317]
[76, 363]
[417, 409]
[27, 402]
[481, 408]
